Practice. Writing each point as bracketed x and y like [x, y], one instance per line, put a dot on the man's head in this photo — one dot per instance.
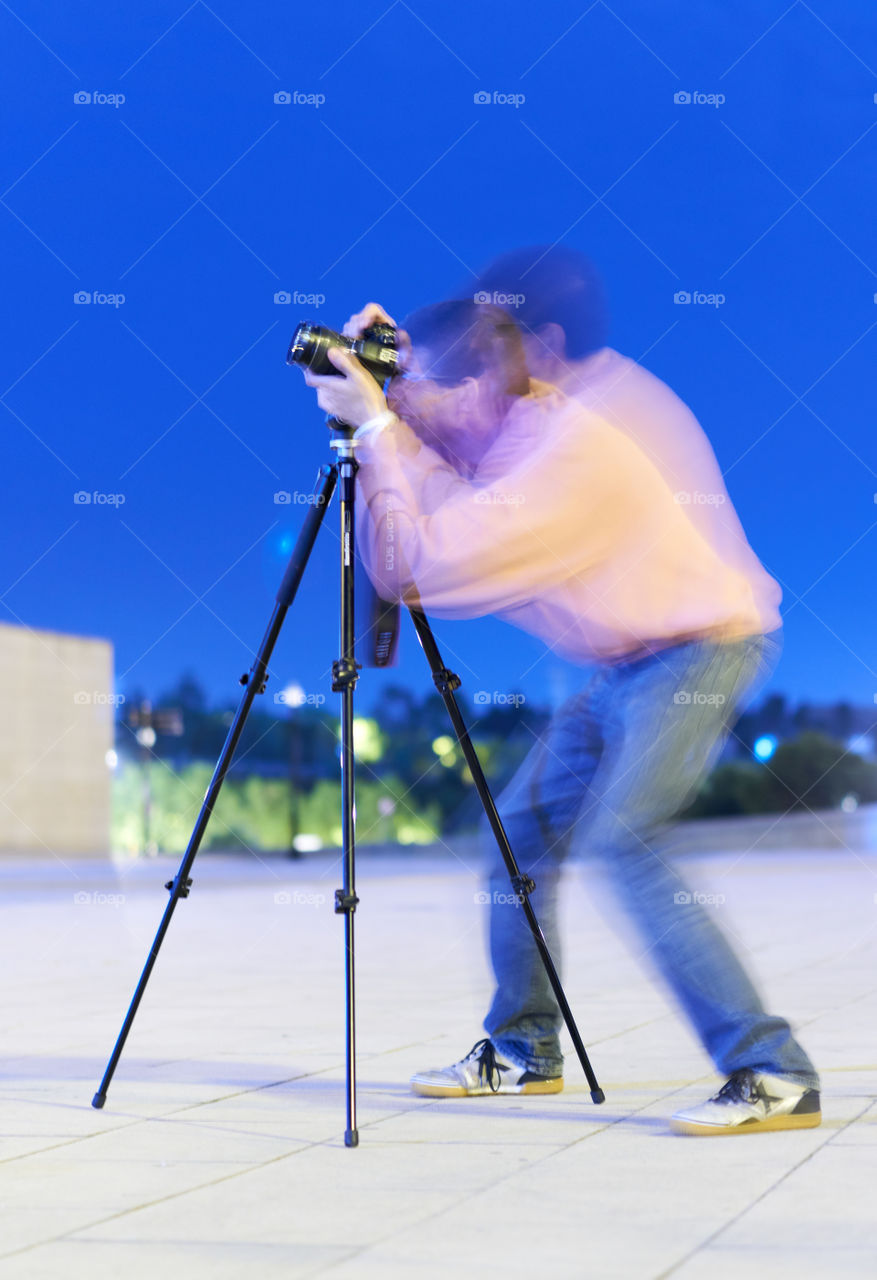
[558, 299]
[466, 369]
[464, 339]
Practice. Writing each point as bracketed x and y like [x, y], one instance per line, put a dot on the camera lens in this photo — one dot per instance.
[311, 344]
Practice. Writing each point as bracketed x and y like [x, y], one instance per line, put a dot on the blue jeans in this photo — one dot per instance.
[615, 765]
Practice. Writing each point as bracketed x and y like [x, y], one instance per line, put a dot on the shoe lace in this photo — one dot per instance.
[739, 1088]
[485, 1054]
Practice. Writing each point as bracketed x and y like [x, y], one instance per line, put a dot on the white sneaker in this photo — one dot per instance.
[482, 1072]
[750, 1102]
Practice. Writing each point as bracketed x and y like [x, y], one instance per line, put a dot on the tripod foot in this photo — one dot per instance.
[98, 1100]
[598, 1096]
[351, 1137]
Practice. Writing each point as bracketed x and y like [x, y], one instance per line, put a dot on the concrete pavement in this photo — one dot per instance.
[220, 1150]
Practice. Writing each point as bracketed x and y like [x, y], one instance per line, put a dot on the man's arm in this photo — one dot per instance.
[466, 549]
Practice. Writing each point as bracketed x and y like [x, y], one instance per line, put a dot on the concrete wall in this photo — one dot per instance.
[57, 727]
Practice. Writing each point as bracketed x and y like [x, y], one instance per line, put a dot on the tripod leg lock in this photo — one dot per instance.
[446, 681]
[344, 673]
[184, 888]
[345, 903]
[523, 886]
[245, 680]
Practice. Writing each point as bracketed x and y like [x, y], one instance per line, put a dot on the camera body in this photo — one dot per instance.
[375, 350]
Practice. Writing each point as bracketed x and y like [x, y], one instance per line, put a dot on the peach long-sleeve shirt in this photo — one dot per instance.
[567, 529]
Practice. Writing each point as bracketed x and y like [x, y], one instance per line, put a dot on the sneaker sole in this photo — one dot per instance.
[459, 1091]
[811, 1120]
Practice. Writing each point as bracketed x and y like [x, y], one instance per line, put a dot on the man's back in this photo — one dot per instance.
[650, 414]
[570, 528]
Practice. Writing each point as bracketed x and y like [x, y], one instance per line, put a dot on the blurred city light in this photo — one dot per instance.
[445, 748]
[368, 742]
[294, 695]
[305, 842]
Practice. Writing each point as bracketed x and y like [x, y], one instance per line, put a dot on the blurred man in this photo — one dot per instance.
[490, 492]
[560, 305]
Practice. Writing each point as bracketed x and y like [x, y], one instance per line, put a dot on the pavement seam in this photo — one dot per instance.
[764, 1194]
[469, 1196]
[70, 1237]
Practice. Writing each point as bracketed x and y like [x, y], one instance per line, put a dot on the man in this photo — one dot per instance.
[488, 491]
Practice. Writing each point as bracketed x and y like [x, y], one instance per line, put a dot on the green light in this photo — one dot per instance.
[368, 741]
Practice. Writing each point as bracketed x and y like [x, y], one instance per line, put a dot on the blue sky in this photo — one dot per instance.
[199, 197]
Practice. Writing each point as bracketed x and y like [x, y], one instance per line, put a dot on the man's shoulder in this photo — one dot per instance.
[550, 411]
[610, 365]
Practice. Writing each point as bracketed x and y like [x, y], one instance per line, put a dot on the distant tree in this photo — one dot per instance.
[396, 707]
[773, 715]
[814, 771]
[842, 721]
[188, 695]
[802, 718]
[732, 788]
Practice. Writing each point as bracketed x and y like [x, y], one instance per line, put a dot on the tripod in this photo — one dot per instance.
[344, 678]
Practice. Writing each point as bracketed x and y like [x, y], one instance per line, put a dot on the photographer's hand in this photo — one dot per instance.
[354, 398]
[371, 314]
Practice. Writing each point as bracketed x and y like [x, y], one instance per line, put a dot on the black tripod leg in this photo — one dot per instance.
[446, 682]
[254, 683]
[344, 677]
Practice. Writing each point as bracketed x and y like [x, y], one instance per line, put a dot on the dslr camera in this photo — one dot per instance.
[375, 350]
